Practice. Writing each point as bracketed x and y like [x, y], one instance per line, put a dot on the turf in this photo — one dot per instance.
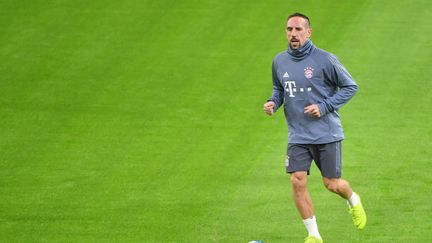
[141, 121]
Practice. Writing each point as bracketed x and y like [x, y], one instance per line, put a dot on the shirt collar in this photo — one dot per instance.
[302, 52]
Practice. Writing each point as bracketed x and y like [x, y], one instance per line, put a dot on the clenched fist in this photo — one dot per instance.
[312, 110]
[268, 107]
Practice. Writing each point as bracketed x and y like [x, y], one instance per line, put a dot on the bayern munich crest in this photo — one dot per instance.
[308, 72]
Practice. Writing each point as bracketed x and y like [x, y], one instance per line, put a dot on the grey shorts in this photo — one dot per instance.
[328, 158]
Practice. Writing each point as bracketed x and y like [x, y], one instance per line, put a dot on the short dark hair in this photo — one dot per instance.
[297, 14]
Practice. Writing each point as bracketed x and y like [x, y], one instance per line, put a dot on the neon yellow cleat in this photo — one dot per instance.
[313, 239]
[358, 215]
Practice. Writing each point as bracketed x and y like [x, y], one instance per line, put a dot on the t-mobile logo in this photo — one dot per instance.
[291, 88]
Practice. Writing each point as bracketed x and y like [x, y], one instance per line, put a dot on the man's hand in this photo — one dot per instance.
[268, 107]
[312, 110]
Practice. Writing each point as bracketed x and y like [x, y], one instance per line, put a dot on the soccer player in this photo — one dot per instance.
[312, 85]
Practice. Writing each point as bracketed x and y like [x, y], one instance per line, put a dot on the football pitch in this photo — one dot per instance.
[142, 121]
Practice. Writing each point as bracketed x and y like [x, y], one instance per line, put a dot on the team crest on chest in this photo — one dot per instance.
[308, 72]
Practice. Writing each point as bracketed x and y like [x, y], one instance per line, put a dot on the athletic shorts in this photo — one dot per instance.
[326, 156]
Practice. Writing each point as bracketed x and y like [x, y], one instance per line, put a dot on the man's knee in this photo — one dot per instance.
[332, 184]
[298, 180]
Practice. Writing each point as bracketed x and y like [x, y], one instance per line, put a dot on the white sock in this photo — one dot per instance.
[312, 227]
[353, 200]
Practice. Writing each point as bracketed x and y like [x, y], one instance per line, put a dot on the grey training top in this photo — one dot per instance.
[306, 76]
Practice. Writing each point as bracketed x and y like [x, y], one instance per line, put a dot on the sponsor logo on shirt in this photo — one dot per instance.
[291, 88]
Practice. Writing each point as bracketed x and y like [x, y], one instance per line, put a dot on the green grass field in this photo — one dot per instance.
[142, 121]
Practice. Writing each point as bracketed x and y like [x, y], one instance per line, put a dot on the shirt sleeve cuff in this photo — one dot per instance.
[322, 109]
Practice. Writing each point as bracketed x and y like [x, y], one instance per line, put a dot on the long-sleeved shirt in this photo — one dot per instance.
[306, 76]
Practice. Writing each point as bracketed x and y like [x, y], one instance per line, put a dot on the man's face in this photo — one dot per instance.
[297, 32]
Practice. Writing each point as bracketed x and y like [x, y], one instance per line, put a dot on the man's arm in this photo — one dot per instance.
[343, 80]
[276, 100]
